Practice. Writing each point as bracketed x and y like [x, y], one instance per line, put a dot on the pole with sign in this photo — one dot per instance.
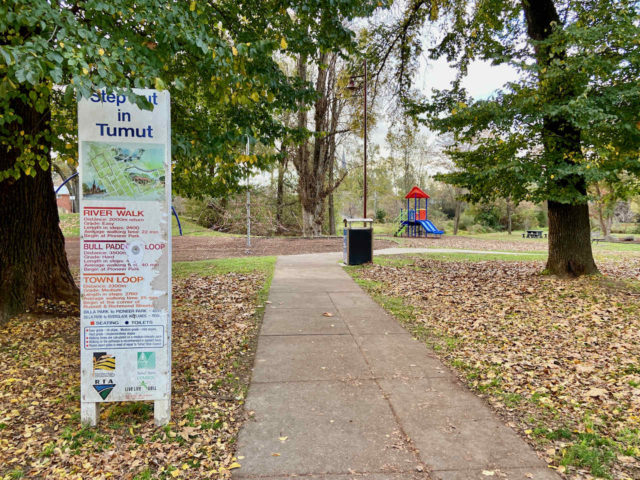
[125, 258]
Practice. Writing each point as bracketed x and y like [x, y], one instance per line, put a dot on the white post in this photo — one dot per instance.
[89, 413]
[161, 412]
[248, 199]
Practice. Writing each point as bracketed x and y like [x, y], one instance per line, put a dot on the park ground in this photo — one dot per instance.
[558, 360]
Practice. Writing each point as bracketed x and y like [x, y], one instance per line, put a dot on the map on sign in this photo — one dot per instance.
[121, 171]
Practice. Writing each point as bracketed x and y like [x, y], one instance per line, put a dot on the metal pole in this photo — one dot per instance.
[365, 138]
[247, 151]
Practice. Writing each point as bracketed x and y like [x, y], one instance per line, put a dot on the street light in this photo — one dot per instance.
[353, 87]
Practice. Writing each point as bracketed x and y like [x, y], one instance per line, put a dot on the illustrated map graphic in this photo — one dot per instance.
[121, 171]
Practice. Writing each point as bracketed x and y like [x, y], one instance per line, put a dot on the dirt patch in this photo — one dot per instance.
[202, 248]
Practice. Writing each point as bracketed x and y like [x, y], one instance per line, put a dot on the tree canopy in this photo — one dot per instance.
[219, 59]
[588, 76]
[570, 120]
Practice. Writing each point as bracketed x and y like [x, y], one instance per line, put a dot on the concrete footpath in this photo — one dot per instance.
[352, 395]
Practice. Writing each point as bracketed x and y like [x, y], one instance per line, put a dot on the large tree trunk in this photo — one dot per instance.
[312, 219]
[569, 230]
[569, 240]
[313, 163]
[33, 262]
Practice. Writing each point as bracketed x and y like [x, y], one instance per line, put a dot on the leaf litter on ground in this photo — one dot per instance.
[558, 359]
[214, 331]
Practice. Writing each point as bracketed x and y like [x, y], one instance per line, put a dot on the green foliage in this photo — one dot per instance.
[219, 59]
[571, 119]
[488, 216]
[380, 215]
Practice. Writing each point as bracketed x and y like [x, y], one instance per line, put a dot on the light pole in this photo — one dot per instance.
[353, 87]
[247, 152]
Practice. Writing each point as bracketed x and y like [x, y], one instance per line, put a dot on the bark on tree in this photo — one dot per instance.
[33, 262]
[569, 230]
[282, 168]
[332, 209]
[606, 221]
[312, 162]
[456, 218]
[509, 213]
[570, 240]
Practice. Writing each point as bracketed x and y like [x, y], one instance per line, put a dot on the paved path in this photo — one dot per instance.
[354, 396]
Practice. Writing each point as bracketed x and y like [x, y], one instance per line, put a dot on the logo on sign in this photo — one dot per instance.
[103, 361]
[146, 360]
[104, 389]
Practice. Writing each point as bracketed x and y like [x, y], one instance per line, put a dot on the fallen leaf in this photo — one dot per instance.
[596, 392]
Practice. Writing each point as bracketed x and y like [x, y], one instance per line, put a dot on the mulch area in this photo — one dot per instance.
[203, 248]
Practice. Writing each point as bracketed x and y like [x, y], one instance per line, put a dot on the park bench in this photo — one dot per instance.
[534, 234]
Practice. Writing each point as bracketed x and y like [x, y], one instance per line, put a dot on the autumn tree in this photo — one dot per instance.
[568, 122]
[217, 58]
[315, 156]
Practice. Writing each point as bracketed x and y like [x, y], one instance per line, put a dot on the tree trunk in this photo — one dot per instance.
[569, 229]
[332, 211]
[605, 220]
[509, 212]
[74, 189]
[456, 218]
[605, 223]
[280, 194]
[33, 262]
[570, 240]
[312, 219]
[313, 163]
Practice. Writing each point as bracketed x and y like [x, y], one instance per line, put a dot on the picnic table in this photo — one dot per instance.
[534, 234]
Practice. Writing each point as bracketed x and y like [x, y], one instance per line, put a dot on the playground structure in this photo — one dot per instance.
[415, 222]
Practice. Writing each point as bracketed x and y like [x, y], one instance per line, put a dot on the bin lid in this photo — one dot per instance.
[358, 220]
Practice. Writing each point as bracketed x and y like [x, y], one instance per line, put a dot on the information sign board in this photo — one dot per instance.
[125, 258]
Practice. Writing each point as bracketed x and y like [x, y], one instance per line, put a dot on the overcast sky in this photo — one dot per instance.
[482, 81]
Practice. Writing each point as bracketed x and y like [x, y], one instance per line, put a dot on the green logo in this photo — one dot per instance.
[146, 359]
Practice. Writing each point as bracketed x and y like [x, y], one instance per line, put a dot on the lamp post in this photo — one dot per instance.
[247, 153]
[353, 87]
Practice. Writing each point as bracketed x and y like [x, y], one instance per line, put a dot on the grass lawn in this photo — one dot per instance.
[70, 224]
[217, 310]
[559, 360]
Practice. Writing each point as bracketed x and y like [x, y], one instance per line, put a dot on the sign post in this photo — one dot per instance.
[125, 258]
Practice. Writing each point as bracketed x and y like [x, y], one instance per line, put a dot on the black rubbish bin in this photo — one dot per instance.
[358, 241]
